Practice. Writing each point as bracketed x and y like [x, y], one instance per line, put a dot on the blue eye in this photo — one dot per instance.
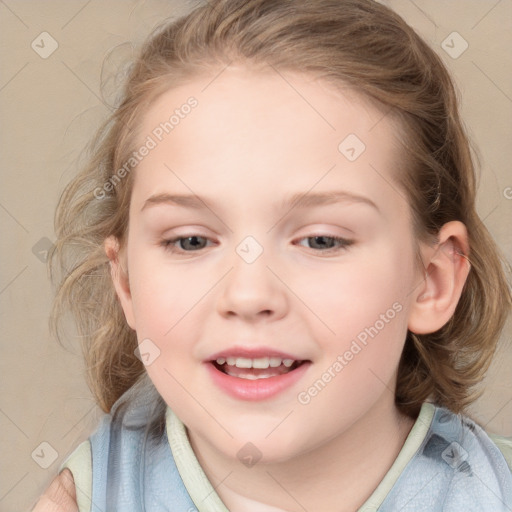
[191, 241]
[194, 243]
[330, 245]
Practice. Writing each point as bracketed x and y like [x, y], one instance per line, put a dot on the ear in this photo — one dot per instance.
[446, 270]
[119, 273]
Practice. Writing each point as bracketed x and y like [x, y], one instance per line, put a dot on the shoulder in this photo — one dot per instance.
[79, 462]
[457, 467]
[505, 446]
[479, 467]
[471, 438]
[495, 447]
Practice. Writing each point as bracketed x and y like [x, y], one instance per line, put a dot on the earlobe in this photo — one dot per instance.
[446, 270]
[119, 274]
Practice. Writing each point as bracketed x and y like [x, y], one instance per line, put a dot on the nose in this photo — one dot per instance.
[253, 292]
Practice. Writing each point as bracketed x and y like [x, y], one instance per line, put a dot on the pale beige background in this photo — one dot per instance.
[50, 107]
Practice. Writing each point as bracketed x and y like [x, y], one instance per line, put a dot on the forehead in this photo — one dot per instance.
[270, 128]
[241, 95]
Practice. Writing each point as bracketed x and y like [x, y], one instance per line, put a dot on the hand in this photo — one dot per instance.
[60, 496]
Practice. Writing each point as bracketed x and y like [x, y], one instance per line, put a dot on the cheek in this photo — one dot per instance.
[358, 366]
[164, 295]
[170, 303]
[369, 291]
[366, 306]
[167, 302]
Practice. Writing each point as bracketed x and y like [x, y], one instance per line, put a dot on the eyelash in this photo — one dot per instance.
[344, 243]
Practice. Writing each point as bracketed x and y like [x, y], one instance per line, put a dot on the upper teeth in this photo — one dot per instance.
[260, 362]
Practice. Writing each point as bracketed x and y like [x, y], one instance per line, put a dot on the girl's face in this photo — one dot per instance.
[270, 260]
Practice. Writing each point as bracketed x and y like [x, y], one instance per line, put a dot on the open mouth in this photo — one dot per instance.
[258, 368]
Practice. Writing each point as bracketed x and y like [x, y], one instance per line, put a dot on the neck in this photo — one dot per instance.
[327, 478]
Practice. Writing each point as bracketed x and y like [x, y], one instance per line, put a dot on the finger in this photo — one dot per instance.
[68, 482]
[60, 496]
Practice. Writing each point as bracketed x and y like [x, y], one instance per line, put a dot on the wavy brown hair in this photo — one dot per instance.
[359, 43]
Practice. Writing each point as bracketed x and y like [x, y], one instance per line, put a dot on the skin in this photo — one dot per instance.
[253, 140]
[60, 495]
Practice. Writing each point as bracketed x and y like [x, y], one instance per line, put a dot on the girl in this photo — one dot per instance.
[285, 292]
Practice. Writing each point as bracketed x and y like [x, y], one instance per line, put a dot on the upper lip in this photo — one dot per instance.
[253, 353]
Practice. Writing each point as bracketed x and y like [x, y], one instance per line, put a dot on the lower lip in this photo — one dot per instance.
[259, 389]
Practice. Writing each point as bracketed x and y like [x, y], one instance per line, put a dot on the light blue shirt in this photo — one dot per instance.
[456, 466]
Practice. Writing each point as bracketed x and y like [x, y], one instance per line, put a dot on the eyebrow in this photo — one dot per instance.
[300, 200]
